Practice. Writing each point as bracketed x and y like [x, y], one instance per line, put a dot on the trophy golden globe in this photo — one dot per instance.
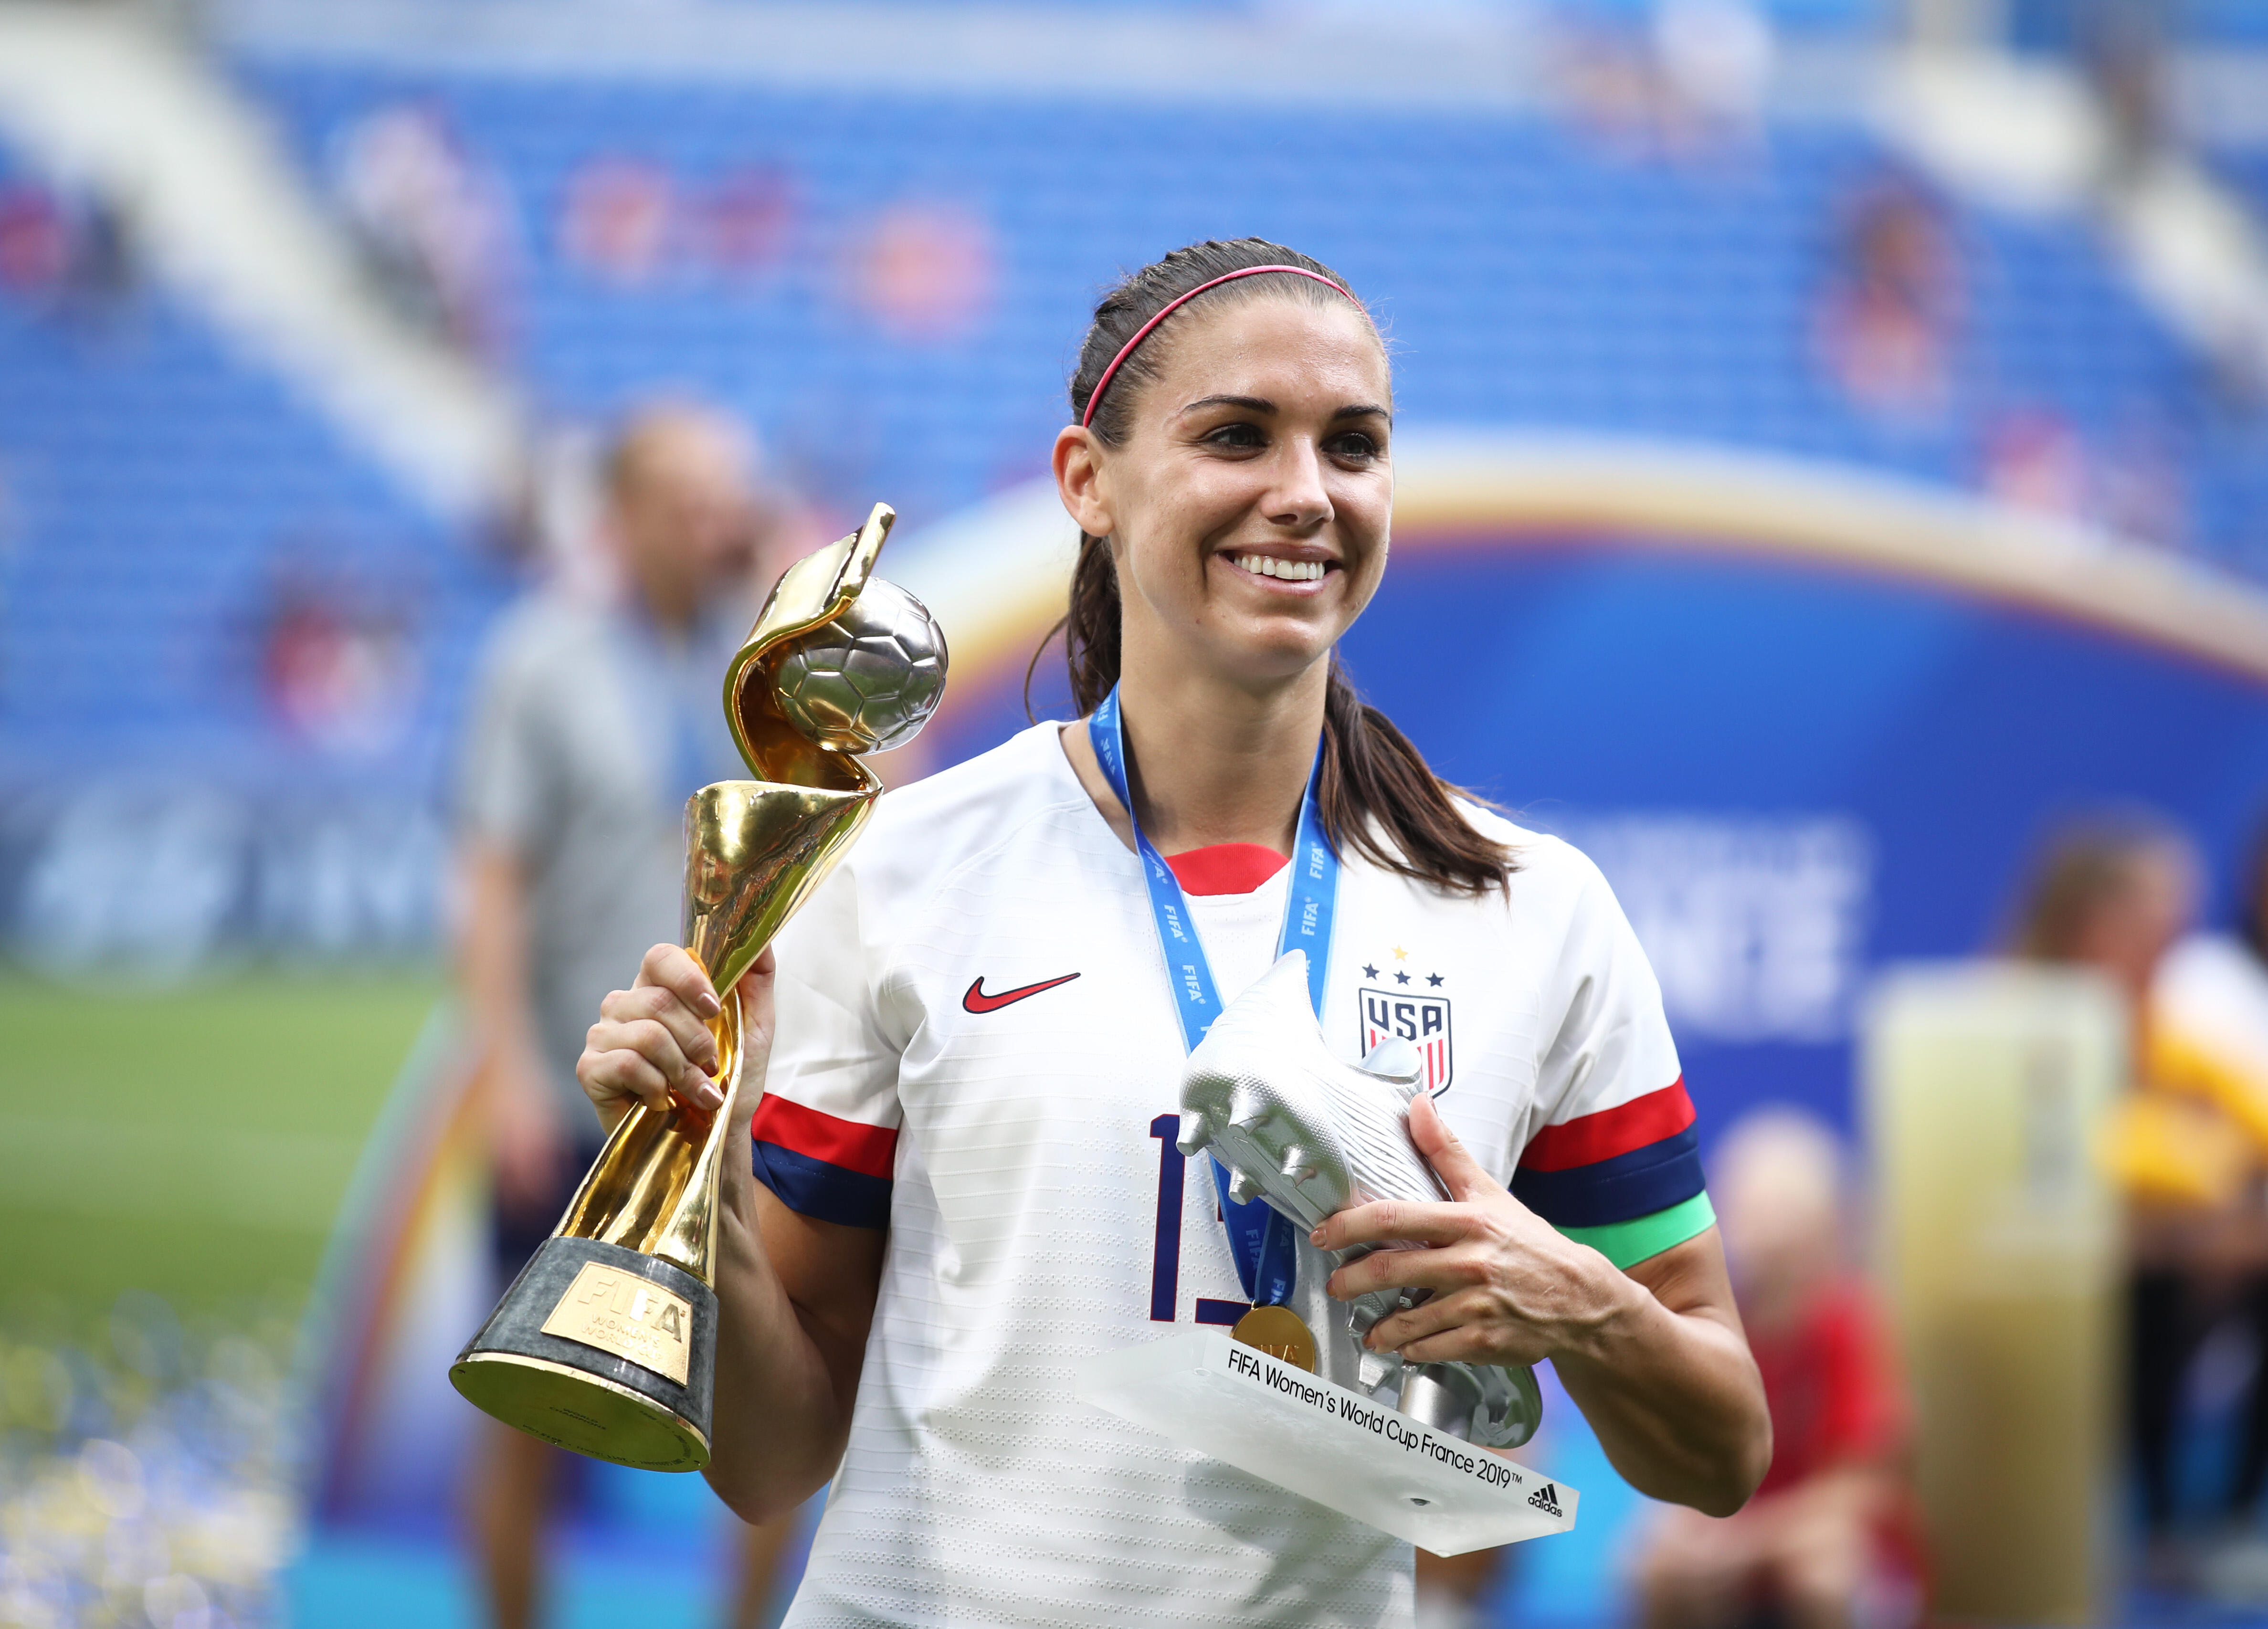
[606, 1343]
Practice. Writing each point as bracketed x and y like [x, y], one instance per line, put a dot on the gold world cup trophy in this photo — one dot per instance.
[607, 1342]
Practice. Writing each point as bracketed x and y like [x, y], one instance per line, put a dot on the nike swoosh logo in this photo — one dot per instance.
[976, 1001]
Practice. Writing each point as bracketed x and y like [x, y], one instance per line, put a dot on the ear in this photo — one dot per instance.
[1080, 481]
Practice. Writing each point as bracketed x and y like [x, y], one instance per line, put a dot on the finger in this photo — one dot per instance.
[672, 966]
[1386, 1220]
[1443, 1310]
[760, 971]
[1435, 1269]
[653, 1002]
[616, 1075]
[1472, 1343]
[757, 991]
[1465, 1177]
[754, 992]
[652, 1040]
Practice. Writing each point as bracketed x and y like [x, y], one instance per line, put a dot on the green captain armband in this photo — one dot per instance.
[1626, 1244]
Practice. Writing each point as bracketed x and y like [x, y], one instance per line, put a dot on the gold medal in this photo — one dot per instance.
[1278, 1332]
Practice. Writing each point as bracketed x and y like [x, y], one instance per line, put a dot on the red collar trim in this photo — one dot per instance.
[1225, 868]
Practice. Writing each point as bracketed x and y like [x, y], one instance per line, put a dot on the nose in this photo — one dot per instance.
[1298, 500]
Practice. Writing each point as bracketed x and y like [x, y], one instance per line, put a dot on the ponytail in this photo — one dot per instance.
[1376, 795]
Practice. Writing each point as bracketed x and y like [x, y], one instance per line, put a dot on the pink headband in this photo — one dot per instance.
[1174, 305]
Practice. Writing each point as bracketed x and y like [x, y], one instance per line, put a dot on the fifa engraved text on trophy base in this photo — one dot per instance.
[626, 1316]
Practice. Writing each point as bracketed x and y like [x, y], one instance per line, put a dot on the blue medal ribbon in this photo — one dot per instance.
[1264, 1244]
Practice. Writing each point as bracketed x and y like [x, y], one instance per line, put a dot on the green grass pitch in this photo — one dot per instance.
[193, 1142]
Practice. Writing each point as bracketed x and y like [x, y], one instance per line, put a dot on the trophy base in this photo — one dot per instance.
[1342, 1449]
[602, 1351]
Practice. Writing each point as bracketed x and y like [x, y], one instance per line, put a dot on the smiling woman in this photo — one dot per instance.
[964, 1178]
[1312, 343]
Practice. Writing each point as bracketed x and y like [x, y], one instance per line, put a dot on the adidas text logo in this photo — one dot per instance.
[1546, 1498]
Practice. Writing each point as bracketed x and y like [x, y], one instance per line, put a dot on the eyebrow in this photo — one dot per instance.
[1261, 404]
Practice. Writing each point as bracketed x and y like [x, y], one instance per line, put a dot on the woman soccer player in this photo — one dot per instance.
[965, 1181]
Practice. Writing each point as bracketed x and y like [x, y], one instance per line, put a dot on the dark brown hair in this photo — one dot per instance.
[1377, 797]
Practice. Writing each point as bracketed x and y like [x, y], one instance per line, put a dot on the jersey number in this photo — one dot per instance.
[1166, 1262]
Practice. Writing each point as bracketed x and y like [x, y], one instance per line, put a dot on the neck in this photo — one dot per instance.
[1212, 763]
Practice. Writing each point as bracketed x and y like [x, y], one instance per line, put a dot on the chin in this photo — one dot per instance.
[1266, 657]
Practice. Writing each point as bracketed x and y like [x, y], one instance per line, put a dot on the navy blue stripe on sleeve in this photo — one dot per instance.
[825, 1192]
[1637, 1183]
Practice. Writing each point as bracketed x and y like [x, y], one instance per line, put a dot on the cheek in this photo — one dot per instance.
[1165, 536]
[1165, 570]
[1368, 522]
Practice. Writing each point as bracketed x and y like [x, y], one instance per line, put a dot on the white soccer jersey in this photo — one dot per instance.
[978, 1049]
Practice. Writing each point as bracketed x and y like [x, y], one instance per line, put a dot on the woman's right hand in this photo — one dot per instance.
[652, 1039]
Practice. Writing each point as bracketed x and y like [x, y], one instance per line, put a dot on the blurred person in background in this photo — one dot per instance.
[2209, 1010]
[1830, 1537]
[595, 716]
[2186, 1145]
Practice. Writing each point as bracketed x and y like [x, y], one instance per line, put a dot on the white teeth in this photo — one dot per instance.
[1291, 570]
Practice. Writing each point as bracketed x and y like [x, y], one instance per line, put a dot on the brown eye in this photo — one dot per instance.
[1355, 444]
[1236, 436]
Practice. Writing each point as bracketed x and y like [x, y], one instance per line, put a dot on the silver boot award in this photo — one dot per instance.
[1297, 1134]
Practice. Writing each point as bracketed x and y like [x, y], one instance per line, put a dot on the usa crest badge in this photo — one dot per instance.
[1421, 1020]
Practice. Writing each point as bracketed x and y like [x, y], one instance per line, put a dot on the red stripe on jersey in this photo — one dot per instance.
[870, 1151]
[1225, 868]
[1591, 1138]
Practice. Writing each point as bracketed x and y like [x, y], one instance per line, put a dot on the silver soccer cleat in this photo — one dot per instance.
[1312, 1136]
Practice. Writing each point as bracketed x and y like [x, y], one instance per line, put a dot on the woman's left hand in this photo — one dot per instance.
[1507, 1287]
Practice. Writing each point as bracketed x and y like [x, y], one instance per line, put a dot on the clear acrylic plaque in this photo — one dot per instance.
[1348, 1452]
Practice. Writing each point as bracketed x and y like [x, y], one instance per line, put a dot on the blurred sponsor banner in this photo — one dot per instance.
[165, 875]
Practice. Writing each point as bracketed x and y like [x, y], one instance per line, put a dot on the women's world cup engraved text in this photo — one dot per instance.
[628, 1316]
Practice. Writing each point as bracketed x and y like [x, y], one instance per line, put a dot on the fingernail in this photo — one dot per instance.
[710, 1005]
[1316, 1237]
[712, 1099]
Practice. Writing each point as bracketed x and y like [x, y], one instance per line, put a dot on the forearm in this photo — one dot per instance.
[1674, 1397]
[492, 952]
[787, 1377]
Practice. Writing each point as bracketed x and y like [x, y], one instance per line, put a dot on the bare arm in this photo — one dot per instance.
[1654, 1356]
[519, 1113]
[1667, 1382]
[794, 1296]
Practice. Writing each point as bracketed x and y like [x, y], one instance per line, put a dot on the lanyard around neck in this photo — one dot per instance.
[1263, 1242]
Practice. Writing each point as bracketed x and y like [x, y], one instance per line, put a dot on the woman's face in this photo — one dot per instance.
[1248, 506]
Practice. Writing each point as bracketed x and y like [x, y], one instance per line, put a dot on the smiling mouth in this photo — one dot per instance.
[1284, 570]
